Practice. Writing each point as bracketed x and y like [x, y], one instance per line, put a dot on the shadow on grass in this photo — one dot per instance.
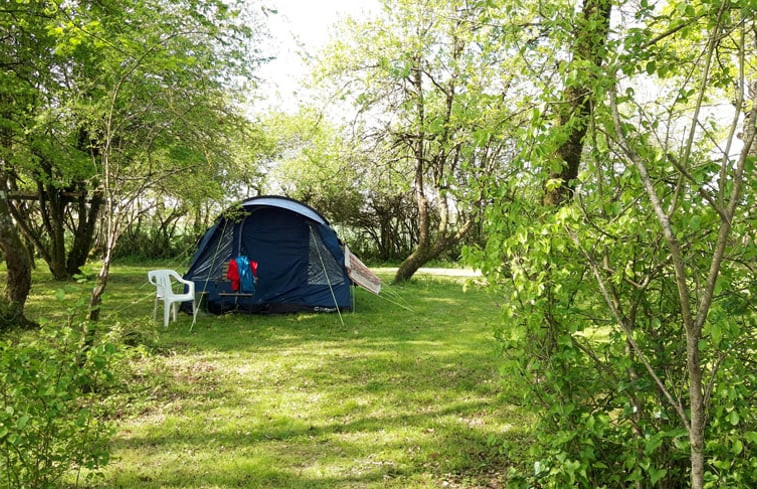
[414, 421]
[430, 447]
[260, 474]
[391, 399]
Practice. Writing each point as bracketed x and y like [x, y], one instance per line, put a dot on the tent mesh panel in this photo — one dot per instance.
[317, 275]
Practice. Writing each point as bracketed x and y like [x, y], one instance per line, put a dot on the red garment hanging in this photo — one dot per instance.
[233, 274]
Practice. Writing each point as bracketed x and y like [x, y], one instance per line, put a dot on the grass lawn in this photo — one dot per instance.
[392, 399]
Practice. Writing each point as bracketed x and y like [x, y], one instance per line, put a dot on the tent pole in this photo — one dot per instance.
[210, 271]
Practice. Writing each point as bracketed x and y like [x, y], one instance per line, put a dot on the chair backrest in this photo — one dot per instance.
[161, 279]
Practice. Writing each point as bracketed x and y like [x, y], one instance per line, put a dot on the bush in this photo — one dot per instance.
[586, 359]
[51, 414]
[152, 244]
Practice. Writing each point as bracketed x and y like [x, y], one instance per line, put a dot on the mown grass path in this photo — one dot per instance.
[392, 399]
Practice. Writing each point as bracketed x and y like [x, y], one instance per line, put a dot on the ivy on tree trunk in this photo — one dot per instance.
[575, 108]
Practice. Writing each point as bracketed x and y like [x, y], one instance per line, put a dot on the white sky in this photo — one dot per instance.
[301, 27]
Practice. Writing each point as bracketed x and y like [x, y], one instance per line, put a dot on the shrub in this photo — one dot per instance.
[152, 243]
[51, 417]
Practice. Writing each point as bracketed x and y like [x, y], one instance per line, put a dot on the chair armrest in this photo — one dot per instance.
[183, 281]
[188, 283]
[178, 278]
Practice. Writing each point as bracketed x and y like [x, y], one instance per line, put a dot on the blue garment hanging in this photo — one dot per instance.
[246, 280]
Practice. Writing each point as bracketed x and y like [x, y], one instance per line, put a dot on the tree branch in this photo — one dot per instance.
[628, 333]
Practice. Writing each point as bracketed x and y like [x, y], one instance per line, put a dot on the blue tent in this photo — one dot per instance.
[301, 265]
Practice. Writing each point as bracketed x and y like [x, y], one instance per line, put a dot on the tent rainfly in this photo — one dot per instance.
[297, 261]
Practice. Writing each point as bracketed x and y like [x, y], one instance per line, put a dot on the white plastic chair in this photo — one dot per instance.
[161, 279]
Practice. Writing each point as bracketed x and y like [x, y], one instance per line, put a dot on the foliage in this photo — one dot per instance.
[428, 90]
[51, 416]
[604, 420]
[104, 102]
[316, 165]
[47, 161]
[628, 310]
[152, 244]
[369, 200]
[158, 99]
[164, 102]
[161, 228]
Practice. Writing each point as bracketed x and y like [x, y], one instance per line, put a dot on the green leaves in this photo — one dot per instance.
[48, 424]
[593, 309]
[651, 67]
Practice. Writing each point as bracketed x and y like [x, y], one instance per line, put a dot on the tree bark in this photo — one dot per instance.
[84, 234]
[576, 104]
[411, 264]
[19, 279]
[17, 256]
[55, 205]
[432, 244]
[52, 209]
[418, 256]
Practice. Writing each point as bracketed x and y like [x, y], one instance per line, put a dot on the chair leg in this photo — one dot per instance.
[166, 314]
[155, 309]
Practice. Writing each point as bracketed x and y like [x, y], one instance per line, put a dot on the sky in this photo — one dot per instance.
[300, 26]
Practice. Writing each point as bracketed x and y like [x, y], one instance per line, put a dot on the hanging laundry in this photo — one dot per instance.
[247, 273]
[233, 274]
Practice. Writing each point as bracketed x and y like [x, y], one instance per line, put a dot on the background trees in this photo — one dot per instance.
[428, 85]
[109, 101]
[349, 181]
[24, 50]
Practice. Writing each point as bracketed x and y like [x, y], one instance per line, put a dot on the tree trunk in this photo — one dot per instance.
[576, 106]
[19, 279]
[418, 256]
[696, 400]
[410, 265]
[95, 300]
[424, 251]
[17, 257]
[52, 208]
[51, 241]
[84, 234]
